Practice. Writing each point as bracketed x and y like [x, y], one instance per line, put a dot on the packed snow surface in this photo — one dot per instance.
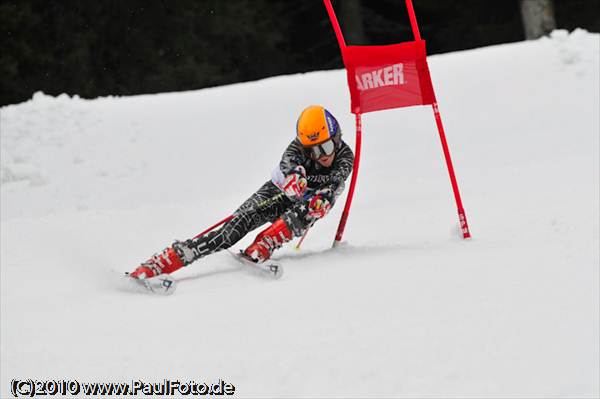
[90, 188]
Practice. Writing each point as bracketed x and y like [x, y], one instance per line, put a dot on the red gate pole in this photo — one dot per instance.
[462, 218]
[413, 20]
[464, 226]
[346, 212]
[336, 25]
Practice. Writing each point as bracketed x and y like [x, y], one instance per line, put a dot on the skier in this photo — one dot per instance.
[302, 190]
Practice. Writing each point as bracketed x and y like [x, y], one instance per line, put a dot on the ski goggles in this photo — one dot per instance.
[324, 149]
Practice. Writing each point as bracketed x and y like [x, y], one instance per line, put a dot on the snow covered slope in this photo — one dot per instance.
[405, 308]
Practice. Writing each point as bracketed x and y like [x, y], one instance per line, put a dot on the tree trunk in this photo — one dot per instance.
[352, 22]
[538, 18]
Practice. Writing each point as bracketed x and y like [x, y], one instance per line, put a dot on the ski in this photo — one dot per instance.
[164, 284]
[160, 285]
[270, 268]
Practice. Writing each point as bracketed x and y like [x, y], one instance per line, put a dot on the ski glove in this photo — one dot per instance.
[295, 183]
[318, 206]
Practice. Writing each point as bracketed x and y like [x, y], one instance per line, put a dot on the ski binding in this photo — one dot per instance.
[269, 268]
[161, 285]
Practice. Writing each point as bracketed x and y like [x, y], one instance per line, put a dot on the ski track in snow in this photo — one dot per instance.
[405, 308]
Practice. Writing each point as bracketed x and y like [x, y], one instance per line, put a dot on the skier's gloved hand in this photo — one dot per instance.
[318, 206]
[295, 183]
[326, 193]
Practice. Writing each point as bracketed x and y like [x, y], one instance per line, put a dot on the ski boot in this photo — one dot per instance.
[167, 261]
[267, 241]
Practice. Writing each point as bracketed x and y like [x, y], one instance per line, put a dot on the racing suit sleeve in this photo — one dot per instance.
[341, 169]
[292, 157]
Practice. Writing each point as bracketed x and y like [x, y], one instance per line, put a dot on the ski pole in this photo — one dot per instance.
[304, 235]
[306, 196]
[302, 238]
[227, 219]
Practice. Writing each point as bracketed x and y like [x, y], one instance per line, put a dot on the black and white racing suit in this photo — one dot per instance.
[270, 203]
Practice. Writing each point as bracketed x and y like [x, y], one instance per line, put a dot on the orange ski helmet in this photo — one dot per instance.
[316, 125]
